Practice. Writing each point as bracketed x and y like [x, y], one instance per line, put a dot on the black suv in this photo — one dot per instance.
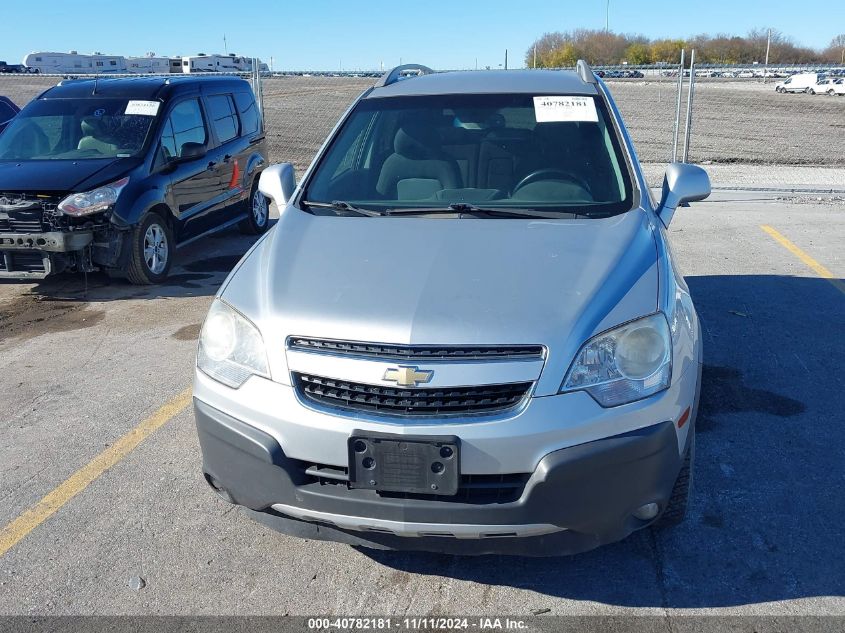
[114, 174]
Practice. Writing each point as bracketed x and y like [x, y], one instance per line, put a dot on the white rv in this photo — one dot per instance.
[149, 64]
[73, 62]
[231, 63]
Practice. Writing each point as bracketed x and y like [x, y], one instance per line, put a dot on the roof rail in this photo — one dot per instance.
[392, 76]
[585, 72]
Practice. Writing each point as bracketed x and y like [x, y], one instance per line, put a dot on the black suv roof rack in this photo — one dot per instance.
[585, 72]
[392, 76]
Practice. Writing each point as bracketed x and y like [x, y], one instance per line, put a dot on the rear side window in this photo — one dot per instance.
[184, 125]
[6, 112]
[224, 118]
[248, 111]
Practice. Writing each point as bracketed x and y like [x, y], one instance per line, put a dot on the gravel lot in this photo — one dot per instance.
[744, 124]
[763, 536]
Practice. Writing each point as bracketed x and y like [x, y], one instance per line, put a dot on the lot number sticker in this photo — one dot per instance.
[144, 108]
[555, 109]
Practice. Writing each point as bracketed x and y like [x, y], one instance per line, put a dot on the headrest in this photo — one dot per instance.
[96, 127]
[417, 138]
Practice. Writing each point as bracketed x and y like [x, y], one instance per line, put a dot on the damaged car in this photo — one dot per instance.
[116, 174]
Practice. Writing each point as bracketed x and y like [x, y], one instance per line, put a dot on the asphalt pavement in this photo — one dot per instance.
[80, 368]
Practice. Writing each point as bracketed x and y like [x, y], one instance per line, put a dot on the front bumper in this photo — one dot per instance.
[37, 255]
[575, 499]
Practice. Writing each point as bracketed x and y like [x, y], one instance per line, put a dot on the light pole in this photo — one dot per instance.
[607, 17]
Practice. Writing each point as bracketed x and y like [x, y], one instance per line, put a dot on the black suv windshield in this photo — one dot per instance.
[492, 151]
[78, 129]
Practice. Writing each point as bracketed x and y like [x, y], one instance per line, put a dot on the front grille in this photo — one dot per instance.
[21, 222]
[22, 261]
[27, 213]
[414, 352]
[472, 489]
[409, 402]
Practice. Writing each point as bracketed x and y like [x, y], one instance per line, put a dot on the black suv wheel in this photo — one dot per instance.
[152, 251]
[258, 209]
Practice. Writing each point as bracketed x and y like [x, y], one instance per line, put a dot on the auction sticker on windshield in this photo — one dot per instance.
[560, 109]
[145, 108]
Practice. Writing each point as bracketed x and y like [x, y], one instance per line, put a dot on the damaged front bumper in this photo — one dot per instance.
[37, 255]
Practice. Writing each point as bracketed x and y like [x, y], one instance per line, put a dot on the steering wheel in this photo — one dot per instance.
[551, 174]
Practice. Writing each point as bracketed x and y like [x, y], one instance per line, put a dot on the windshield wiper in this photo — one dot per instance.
[340, 205]
[462, 207]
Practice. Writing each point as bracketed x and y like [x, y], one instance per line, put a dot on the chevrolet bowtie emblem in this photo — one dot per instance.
[408, 376]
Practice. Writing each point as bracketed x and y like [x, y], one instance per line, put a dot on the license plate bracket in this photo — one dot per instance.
[403, 463]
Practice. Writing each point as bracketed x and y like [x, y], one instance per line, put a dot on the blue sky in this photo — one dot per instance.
[323, 34]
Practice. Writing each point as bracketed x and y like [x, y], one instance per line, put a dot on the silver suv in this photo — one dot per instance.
[466, 333]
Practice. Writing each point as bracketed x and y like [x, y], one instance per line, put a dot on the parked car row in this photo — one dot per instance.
[620, 74]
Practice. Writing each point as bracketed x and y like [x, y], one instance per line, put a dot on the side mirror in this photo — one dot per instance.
[277, 182]
[192, 151]
[682, 183]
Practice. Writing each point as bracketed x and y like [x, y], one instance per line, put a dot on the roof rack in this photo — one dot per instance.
[392, 76]
[585, 72]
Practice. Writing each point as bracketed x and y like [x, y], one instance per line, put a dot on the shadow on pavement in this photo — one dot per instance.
[765, 518]
[64, 302]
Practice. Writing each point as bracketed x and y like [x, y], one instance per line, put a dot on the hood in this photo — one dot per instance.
[61, 175]
[449, 281]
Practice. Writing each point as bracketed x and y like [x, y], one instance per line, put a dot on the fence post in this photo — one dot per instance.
[690, 94]
[678, 109]
[258, 89]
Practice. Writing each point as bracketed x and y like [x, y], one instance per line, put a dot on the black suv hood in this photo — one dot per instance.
[62, 175]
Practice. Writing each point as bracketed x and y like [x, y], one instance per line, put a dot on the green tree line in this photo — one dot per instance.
[554, 50]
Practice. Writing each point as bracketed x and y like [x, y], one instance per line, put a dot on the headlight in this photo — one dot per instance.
[99, 199]
[231, 348]
[627, 363]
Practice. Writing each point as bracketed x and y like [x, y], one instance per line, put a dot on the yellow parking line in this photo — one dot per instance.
[76, 483]
[820, 270]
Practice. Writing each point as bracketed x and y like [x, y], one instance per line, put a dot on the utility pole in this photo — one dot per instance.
[506, 59]
[768, 45]
[607, 18]
[225, 47]
[535, 56]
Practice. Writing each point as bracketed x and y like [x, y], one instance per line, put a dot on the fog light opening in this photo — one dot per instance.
[646, 512]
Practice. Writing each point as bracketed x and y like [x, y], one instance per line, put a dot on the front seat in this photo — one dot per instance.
[418, 168]
[95, 137]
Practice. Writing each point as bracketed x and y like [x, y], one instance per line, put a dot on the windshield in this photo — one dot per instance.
[78, 129]
[551, 153]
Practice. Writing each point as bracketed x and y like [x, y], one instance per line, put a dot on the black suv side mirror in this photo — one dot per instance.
[192, 151]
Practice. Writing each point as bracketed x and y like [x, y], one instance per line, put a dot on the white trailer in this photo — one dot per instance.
[231, 63]
[73, 62]
[150, 64]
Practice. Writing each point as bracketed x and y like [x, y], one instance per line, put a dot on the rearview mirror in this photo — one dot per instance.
[192, 151]
[682, 183]
[277, 182]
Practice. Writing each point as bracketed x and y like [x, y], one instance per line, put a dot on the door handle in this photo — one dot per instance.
[211, 165]
[227, 158]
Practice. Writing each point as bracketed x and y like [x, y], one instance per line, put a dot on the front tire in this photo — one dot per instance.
[676, 508]
[152, 251]
[258, 213]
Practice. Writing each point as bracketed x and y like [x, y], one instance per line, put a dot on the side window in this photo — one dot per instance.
[184, 125]
[6, 112]
[221, 111]
[248, 111]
